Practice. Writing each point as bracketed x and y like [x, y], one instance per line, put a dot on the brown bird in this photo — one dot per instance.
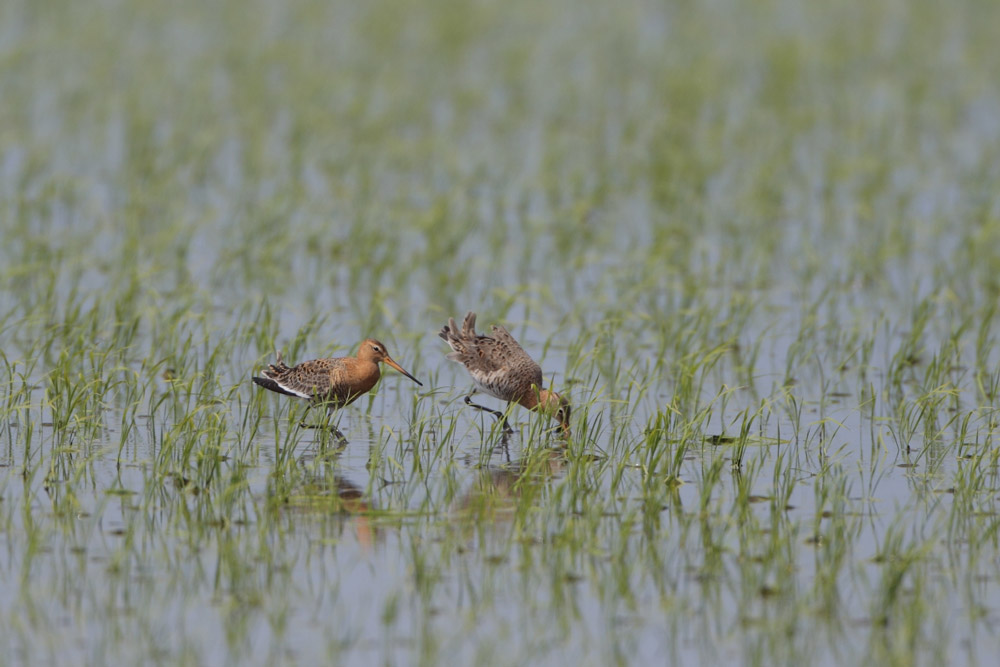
[333, 383]
[500, 367]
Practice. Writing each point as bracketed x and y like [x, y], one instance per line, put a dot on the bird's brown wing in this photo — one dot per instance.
[515, 357]
[315, 379]
[490, 359]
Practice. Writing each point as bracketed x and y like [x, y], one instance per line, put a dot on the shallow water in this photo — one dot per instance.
[756, 246]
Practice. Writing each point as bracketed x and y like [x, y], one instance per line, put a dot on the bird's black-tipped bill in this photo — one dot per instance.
[403, 371]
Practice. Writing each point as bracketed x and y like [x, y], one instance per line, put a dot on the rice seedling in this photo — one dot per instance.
[754, 246]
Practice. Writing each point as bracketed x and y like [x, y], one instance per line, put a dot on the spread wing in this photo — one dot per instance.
[514, 356]
[490, 359]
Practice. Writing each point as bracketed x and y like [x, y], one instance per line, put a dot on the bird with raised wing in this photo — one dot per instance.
[501, 368]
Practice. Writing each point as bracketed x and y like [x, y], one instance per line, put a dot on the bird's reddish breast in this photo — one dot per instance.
[352, 377]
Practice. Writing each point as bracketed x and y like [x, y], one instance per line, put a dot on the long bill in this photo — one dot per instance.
[401, 370]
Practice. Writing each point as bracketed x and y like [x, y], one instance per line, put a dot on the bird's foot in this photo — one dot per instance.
[500, 417]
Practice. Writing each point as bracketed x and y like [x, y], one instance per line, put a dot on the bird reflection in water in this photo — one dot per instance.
[501, 489]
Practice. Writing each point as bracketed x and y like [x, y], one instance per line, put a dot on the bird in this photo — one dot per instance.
[501, 368]
[333, 383]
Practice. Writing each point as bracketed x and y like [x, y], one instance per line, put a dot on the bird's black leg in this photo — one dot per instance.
[505, 443]
[302, 421]
[507, 430]
[325, 424]
[496, 413]
[339, 439]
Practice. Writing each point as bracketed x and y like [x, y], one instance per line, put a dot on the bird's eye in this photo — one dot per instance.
[376, 348]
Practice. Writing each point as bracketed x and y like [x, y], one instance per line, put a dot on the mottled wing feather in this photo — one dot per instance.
[516, 356]
[498, 364]
[477, 353]
[285, 377]
[516, 360]
[323, 380]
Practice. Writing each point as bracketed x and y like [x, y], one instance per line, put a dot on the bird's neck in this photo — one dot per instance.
[529, 400]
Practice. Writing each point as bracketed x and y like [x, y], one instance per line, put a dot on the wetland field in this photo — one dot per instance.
[756, 244]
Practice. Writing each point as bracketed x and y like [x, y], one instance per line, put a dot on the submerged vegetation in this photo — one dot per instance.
[756, 244]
